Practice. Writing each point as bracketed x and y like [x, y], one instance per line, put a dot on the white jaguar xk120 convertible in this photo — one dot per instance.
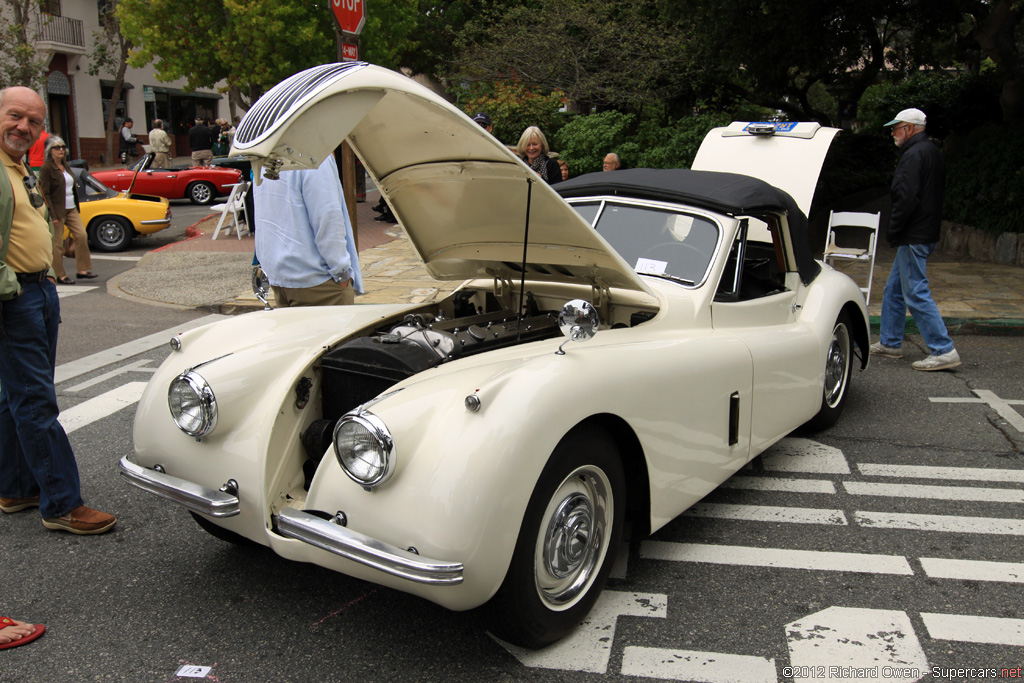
[622, 344]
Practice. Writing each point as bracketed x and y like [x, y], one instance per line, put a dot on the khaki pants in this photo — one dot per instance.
[83, 260]
[161, 160]
[329, 293]
[202, 157]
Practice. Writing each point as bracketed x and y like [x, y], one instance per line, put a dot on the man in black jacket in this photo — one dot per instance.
[914, 229]
[200, 139]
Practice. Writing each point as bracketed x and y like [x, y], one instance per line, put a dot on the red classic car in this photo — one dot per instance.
[201, 184]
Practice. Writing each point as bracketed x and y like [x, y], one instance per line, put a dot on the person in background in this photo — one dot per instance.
[200, 139]
[57, 184]
[304, 240]
[160, 144]
[564, 168]
[915, 225]
[14, 632]
[533, 150]
[484, 121]
[126, 143]
[37, 153]
[221, 139]
[37, 463]
[612, 162]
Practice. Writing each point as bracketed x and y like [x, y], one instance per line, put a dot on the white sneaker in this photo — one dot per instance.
[943, 362]
[880, 349]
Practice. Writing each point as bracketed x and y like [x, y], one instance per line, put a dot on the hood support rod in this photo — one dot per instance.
[522, 271]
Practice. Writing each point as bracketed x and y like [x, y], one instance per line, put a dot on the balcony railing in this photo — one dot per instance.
[61, 32]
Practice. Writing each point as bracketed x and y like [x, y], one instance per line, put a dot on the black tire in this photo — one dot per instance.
[838, 367]
[221, 533]
[110, 233]
[559, 569]
[201, 192]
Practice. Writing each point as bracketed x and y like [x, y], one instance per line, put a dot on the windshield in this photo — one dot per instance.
[90, 188]
[654, 239]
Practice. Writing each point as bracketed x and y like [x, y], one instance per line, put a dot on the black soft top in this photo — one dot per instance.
[729, 193]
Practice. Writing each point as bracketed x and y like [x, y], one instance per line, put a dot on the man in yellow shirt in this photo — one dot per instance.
[37, 464]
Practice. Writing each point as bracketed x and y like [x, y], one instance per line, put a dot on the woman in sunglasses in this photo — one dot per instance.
[58, 186]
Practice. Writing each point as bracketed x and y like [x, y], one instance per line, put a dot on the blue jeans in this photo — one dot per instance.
[907, 288]
[35, 454]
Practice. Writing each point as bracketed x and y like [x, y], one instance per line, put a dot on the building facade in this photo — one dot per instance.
[65, 33]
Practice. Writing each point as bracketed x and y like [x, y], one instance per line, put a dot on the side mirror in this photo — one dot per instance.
[261, 286]
[578, 321]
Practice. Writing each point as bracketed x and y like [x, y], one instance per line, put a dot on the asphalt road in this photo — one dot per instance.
[891, 540]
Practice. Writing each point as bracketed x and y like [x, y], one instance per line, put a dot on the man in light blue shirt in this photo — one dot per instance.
[304, 239]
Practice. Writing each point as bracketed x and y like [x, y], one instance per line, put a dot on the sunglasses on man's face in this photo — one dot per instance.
[30, 185]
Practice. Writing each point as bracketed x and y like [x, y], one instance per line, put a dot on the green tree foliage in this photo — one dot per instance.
[513, 107]
[249, 44]
[585, 140]
[601, 53]
[19, 63]
[387, 38]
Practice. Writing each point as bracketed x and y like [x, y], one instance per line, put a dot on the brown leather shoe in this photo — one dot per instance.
[82, 520]
[10, 505]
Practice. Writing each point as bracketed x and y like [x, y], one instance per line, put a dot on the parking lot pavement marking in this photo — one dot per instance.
[1001, 406]
[96, 361]
[64, 291]
[804, 455]
[973, 570]
[781, 558]
[115, 257]
[945, 473]
[943, 523]
[137, 366]
[971, 629]
[983, 495]
[689, 665]
[775, 484]
[101, 406]
[768, 513]
[588, 647]
[854, 644]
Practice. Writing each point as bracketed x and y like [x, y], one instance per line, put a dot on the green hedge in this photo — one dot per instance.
[985, 179]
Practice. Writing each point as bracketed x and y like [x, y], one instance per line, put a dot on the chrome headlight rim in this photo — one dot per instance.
[205, 400]
[385, 444]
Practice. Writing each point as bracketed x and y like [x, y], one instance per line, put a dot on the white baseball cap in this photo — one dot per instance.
[914, 116]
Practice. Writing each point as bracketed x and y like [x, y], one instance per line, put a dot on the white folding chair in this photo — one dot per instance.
[858, 233]
[234, 205]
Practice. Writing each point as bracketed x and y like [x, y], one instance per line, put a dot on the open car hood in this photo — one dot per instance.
[786, 155]
[460, 195]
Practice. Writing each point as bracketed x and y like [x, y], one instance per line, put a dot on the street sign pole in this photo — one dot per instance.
[350, 16]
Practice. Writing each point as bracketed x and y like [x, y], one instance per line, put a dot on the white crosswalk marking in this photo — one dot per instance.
[925, 472]
[101, 406]
[704, 667]
[768, 513]
[137, 366]
[64, 291]
[947, 523]
[987, 495]
[968, 629]
[776, 557]
[775, 484]
[973, 570]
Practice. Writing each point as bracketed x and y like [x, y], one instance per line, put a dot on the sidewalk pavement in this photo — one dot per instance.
[215, 275]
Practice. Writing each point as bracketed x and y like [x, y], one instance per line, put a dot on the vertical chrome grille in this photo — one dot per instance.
[280, 100]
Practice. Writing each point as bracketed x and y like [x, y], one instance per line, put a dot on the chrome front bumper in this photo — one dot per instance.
[302, 526]
[198, 498]
[352, 545]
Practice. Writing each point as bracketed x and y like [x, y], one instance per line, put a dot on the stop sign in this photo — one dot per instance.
[351, 14]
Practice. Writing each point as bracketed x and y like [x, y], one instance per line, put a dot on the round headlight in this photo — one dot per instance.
[193, 405]
[364, 449]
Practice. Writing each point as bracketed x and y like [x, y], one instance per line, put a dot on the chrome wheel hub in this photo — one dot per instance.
[836, 365]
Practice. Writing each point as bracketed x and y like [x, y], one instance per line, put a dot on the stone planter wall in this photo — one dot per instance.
[965, 241]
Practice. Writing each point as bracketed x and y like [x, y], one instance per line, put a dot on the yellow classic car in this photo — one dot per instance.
[113, 218]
